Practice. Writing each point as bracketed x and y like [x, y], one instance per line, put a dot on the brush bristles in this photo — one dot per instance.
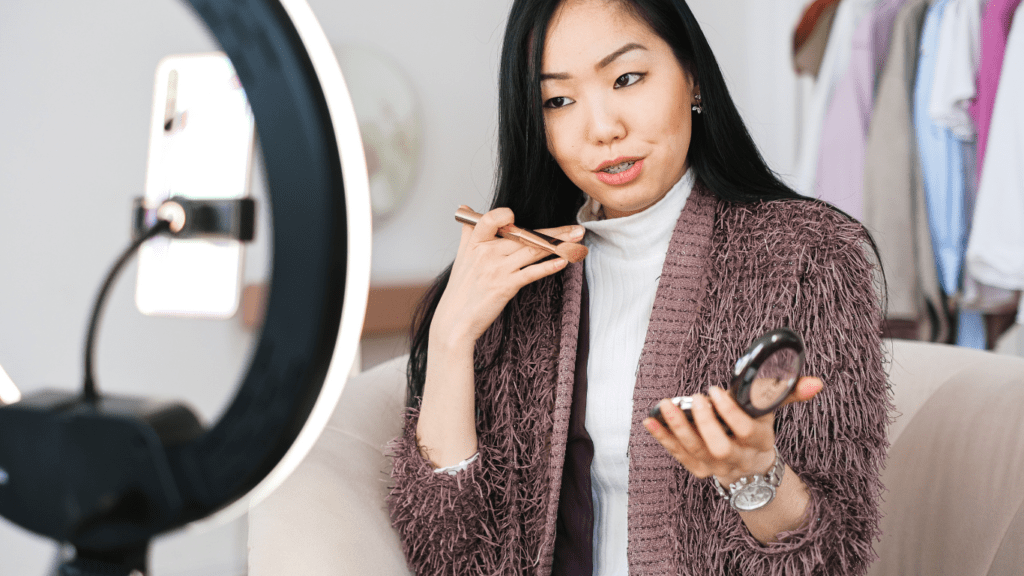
[571, 251]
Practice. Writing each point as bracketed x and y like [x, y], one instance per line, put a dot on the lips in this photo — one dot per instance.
[621, 167]
[620, 160]
[620, 171]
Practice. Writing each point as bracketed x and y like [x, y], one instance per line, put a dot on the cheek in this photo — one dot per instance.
[677, 127]
[561, 145]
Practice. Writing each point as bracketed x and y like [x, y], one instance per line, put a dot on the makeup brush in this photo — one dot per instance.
[571, 251]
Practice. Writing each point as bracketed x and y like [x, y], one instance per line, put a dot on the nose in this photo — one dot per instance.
[606, 122]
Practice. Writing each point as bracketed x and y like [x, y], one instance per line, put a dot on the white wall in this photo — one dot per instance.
[76, 92]
[454, 64]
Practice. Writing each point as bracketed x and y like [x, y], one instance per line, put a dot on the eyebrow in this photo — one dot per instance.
[603, 63]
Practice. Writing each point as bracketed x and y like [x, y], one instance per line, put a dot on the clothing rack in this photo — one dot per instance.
[913, 127]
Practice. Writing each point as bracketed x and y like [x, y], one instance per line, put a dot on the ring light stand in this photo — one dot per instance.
[107, 474]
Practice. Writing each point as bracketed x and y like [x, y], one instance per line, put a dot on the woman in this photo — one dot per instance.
[527, 447]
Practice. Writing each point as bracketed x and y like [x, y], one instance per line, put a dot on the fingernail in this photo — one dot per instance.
[669, 414]
[715, 392]
[577, 232]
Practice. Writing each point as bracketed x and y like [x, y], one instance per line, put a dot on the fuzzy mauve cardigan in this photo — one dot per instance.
[732, 272]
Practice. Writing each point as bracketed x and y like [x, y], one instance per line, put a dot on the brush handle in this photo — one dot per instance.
[467, 216]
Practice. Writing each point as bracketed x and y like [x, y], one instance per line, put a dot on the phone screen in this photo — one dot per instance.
[202, 135]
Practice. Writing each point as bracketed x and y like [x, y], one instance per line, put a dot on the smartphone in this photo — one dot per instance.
[201, 145]
[685, 403]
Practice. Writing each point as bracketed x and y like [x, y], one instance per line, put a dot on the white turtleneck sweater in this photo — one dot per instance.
[622, 270]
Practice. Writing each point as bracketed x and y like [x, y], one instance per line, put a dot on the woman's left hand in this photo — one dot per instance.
[704, 448]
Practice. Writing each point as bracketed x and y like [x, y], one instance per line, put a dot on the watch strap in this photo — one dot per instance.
[773, 478]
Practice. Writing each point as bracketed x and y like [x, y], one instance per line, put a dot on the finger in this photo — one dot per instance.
[681, 428]
[530, 254]
[662, 434]
[719, 445]
[569, 233]
[467, 233]
[487, 228]
[742, 425]
[671, 443]
[513, 247]
[535, 272]
[806, 388]
[502, 246]
[525, 255]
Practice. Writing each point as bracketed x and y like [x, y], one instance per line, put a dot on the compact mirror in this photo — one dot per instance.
[763, 377]
[768, 372]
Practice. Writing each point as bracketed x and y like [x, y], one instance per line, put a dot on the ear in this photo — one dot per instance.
[691, 82]
[694, 89]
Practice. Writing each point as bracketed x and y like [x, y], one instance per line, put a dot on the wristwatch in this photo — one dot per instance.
[751, 493]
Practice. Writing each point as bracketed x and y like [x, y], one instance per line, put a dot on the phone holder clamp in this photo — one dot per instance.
[226, 219]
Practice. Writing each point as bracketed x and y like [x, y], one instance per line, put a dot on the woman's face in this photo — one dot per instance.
[616, 105]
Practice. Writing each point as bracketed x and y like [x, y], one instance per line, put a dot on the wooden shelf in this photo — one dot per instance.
[389, 310]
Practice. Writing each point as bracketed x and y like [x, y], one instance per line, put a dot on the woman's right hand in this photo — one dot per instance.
[488, 271]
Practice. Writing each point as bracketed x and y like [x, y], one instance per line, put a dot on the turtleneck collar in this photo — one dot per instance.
[637, 235]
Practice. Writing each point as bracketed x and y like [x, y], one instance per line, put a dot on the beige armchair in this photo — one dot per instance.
[955, 475]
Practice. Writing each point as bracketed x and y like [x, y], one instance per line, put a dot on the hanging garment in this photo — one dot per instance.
[833, 66]
[942, 165]
[814, 13]
[958, 60]
[883, 18]
[811, 36]
[995, 28]
[894, 205]
[995, 252]
[954, 89]
[844, 132]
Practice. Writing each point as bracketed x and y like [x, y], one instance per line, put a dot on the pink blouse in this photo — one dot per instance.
[995, 29]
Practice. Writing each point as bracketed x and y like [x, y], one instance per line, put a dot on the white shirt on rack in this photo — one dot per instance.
[956, 69]
[834, 63]
[995, 251]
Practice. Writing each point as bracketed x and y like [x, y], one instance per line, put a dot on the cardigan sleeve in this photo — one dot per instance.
[489, 517]
[835, 443]
[441, 518]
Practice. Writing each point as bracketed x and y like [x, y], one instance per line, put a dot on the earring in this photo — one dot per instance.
[698, 108]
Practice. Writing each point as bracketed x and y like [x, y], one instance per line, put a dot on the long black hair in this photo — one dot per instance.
[722, 153]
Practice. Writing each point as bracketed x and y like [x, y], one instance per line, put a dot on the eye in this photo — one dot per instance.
[558, 102]
[628, 79]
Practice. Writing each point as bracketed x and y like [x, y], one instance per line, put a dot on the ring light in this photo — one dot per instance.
[108, 475]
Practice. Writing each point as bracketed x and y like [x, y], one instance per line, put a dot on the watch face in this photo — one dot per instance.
[753, 496]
